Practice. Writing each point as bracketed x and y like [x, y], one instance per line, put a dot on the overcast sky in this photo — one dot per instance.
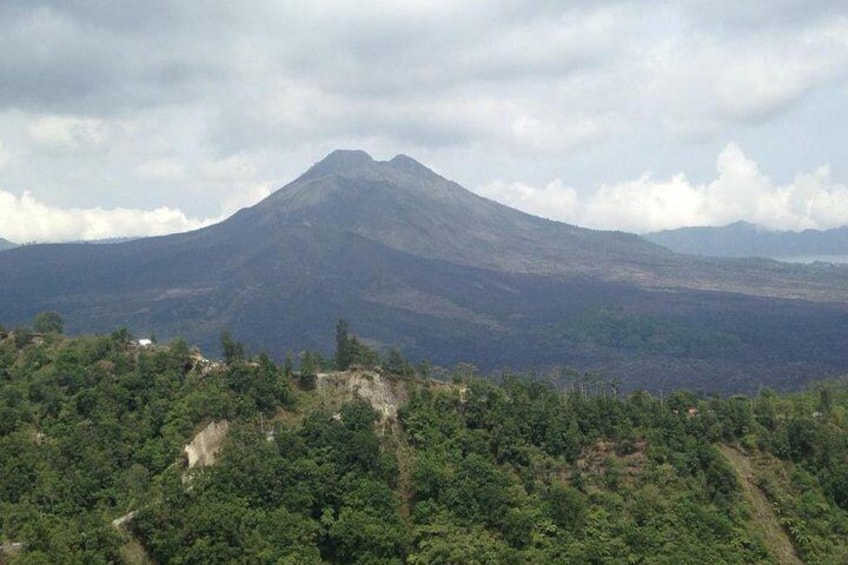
[134, 118]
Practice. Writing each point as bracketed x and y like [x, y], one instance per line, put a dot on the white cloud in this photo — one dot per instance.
[739, 192]
[554, 200]
[644, 204]
[25, 219]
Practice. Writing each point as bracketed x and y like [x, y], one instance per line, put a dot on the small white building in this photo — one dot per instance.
[145, 343]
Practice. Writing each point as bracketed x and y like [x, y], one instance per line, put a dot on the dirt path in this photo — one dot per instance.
[776, 539]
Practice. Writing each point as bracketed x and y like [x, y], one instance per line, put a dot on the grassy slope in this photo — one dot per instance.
[764, 517]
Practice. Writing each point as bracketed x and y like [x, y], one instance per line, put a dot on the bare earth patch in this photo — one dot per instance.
[776, 539]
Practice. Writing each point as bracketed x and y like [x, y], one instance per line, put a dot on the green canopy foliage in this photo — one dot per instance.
[92, 428]
[49, 322]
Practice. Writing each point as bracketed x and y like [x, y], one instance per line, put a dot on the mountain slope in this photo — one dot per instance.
[413, 260]
[743, 239]
[404, 205]
[6, 244]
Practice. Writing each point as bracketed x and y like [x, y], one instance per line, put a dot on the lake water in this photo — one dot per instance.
[837, 259]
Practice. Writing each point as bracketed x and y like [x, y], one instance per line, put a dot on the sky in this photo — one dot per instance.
[130, 119]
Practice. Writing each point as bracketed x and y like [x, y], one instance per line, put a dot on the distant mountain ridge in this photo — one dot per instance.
[743, 239]
[6, 244]
[413, 260]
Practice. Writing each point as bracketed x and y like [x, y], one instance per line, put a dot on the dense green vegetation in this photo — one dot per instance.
[560, 469]
[89, 425]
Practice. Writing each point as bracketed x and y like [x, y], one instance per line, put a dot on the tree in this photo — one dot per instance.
[121, 337]
[288, 365]
[231, 349]
[361, 354]
[308, 364]
[344, 355]
[566, 506]
[49, 322]
[396, 364]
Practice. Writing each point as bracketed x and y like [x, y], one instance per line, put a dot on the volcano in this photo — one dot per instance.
[413, 260]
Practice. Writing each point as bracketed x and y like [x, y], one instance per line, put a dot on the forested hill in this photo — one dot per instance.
[743, 239]
[382, 463]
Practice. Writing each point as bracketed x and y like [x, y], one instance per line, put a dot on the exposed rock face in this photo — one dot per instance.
[205, 446]
[9, 549]
[122, 521]
[384, 395]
